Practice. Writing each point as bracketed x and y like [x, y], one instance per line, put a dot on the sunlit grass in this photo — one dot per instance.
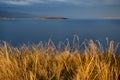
[48, 62]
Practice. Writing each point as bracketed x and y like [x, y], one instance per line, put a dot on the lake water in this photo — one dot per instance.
[22, 31]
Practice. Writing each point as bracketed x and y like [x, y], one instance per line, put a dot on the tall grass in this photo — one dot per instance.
[45, 62]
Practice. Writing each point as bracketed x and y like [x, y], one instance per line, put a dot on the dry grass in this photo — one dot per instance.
[45, 62]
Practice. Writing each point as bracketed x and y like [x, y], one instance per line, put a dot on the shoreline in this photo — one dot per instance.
[51, 18]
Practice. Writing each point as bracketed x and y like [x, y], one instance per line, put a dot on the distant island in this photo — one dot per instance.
[51, 18]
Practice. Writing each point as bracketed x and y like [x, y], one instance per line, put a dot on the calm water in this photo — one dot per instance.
[22, 31]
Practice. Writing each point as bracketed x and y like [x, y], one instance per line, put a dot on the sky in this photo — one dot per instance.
[80, 9]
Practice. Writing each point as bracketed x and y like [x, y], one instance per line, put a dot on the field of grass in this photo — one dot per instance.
[45, 62]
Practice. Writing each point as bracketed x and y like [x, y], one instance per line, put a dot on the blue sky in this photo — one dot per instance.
[64, 8]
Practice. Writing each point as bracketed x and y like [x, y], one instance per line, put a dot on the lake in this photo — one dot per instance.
[21, 31]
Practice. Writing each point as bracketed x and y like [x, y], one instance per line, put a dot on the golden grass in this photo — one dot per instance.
[45, 62]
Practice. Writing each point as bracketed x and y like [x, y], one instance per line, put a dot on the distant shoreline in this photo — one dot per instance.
[51, 18]
[55, 18]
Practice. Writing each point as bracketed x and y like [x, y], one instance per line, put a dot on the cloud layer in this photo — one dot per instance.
[75, 2]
